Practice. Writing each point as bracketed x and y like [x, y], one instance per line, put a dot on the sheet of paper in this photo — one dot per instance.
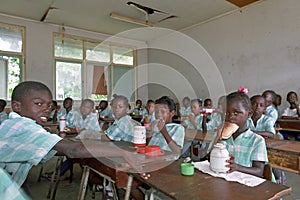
[245, 179]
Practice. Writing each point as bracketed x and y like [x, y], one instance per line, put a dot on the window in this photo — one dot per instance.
[11, 58]
[90, 69]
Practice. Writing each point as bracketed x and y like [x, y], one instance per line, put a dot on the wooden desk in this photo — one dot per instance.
[51, 125]
[116, 169]
[170, 182]
[284, 154]
[289, 124]
[205, 136]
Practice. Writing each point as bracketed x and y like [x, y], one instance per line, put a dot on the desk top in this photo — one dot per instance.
[203, 186]
[289, 124]
[283, 145]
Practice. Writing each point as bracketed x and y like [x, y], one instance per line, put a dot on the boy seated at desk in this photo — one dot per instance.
[258, 122]
[122, 128]
[148, 113]
[54, 111]
[68, 113]
[291, 112]
[24, 142]
[169, 136]
[85, 120]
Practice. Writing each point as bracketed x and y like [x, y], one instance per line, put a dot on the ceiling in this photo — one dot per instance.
[94, 15]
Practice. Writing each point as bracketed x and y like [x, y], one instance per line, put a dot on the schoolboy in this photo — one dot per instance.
[68, 113]
[148, 113]
[25, 143]
[271, 111]
[259, 123]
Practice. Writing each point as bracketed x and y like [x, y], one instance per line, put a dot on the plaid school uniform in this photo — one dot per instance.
[264, 123]
[122, 129]
[272, 112]
[24, 143]
[185, 111]
[176, 131]
[246, 148]
[9, 189]
[198, 120]
[3, 116]
[70, 117]
[89, 123]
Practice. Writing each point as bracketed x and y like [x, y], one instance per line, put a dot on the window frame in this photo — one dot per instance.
[21, 55]
[85, 62]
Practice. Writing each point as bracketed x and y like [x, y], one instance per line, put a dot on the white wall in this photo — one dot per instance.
[258, 47]
[39, 48]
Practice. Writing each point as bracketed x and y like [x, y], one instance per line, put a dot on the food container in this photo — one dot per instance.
[218, 157]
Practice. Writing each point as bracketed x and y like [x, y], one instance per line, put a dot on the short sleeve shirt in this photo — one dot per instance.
[290, 112]
[185, 111]
[176, 131]
[9, 189]
[272, 112]
[24, 143]
[264, 123]
[70, 117]
[246, 148]
[122, 129]
[198, 120]
[89, 123]
[3, 116]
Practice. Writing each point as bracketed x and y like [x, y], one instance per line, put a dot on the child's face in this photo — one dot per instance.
[269, 98]
[86, 108]
[258, 106]
[292, 98]
[36, 105]
[278, 101]
[186, 103]
[207, 104]
[150, 107]
[139, 104]
[163, 112]
[196, 107]
[236, 113]
[68, 104]
[103, 105]
[119, 108]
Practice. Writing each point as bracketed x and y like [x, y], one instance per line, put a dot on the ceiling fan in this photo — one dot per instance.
[144, 9]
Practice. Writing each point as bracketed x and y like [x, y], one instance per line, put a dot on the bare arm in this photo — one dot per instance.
[257, 168]
[264, 133]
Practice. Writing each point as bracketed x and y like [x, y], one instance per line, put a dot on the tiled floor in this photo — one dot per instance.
[69, 191]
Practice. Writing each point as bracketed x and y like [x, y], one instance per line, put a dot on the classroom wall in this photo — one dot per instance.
[257, 47]
[39, 49]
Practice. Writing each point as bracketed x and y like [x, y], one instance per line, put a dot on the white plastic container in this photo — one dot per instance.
[62, 123]
[139, 136]
[218, 157]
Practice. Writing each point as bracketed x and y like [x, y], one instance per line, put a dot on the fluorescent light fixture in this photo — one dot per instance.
[130, 19]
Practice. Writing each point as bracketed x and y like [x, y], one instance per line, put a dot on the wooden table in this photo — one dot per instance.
[284, 154]
[170, 182]
[115, 169]
[51, 125]
[289, 124]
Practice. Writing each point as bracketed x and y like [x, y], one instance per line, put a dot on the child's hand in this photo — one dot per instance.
[192, 117]
[160, 124]
[231, 164]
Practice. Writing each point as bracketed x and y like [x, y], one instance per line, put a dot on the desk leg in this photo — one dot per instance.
[128, 187]
[83, 184]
